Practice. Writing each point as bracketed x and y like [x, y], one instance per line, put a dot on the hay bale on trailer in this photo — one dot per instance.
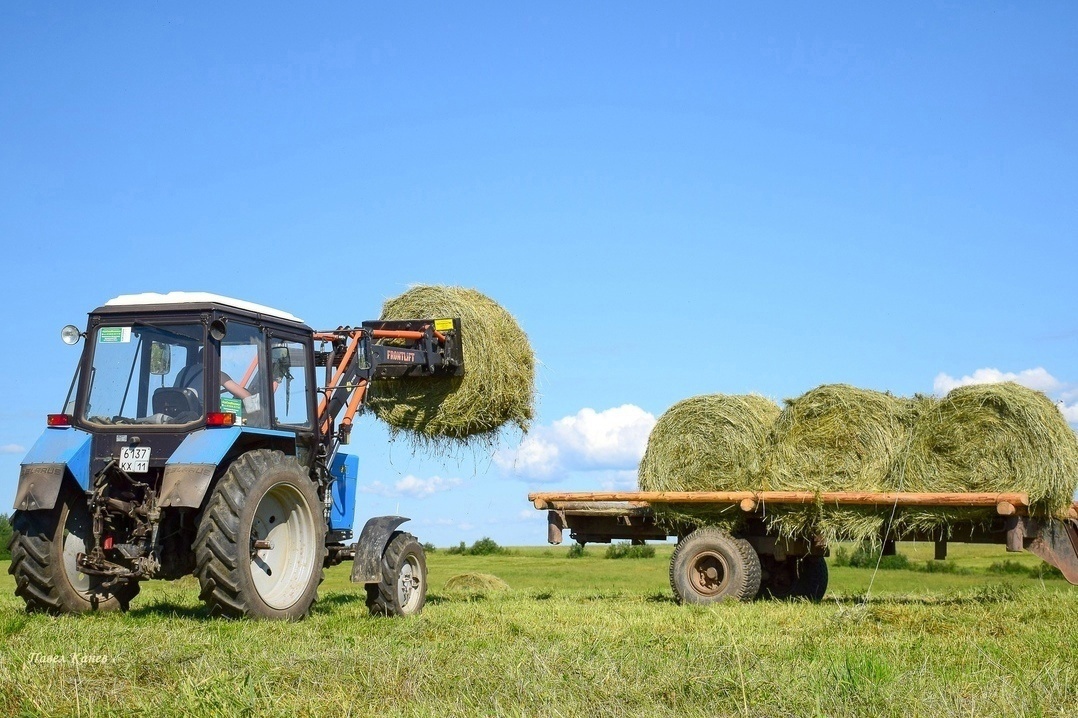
[836, 438]
[713, 442]
[498, 385]
[993, 437]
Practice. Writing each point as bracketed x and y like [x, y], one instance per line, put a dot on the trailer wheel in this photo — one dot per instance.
[261, 541]
[710, 565]
[403, 588]
[44, 545]
[803, 577]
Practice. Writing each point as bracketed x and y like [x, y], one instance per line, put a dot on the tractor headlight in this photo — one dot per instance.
[70, 334]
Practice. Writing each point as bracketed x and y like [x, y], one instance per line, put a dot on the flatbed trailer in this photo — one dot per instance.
[710, 565]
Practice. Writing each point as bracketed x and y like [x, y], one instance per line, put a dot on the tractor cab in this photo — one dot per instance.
[166, 365]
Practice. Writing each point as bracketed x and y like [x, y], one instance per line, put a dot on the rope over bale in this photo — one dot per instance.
[498, 385]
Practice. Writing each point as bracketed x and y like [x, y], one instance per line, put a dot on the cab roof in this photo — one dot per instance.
[176, 299]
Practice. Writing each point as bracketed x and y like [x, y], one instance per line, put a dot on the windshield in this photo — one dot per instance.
[145, 374]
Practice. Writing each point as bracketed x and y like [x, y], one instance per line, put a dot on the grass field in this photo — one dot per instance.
[572, 637]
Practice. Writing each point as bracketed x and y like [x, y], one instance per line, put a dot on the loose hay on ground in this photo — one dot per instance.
[498, 385]
[475, 583]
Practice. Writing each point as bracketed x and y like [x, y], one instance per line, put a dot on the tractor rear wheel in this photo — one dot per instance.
[403, 588]
[44, 546]
[261, 541]
[710, 565]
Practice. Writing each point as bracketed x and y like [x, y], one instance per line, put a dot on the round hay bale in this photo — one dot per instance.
[713, 442]
[994, 437]
[498, 385]
[472, 583]
[838, 438]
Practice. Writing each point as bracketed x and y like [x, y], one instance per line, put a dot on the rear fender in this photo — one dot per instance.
[367, 567]
[191, 468]
[59, 452]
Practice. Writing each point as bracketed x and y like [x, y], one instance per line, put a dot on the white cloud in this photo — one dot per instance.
[619, 481]
[1038, 379]
[588, 440]
[411, 486]
[1063, 393]
[375, 487]
[12, 449]
[1070, 412]
[422, 488]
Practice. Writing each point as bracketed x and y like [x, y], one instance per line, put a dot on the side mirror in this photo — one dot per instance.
[160, 358]
[280, 362]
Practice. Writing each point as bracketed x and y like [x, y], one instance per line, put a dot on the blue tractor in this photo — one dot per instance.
[197, 438]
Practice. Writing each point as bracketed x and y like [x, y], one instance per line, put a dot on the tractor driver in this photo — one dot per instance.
[190, 377]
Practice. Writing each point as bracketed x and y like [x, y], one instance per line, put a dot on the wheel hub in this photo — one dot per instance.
[708, 573]
[409, 584]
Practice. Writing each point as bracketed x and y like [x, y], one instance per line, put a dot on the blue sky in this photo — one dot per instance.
[672, 201]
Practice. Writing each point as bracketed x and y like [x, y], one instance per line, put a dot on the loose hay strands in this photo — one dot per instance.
[498, 385]
[994, 437]
[713, 442]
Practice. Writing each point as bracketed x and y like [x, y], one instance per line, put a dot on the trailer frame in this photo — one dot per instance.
[600, 517]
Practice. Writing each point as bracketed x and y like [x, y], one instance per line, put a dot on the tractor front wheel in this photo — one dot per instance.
[261, 541]
[44, 547]
[403, 588]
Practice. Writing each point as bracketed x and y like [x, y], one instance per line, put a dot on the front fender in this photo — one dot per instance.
[367, 567]
[58, 452]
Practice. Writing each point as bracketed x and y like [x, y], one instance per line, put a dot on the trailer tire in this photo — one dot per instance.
[800, 577]
[710, 565]
[263, 496]
[403, 588]
[44, 545]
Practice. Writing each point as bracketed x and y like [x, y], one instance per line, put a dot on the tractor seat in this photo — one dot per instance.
[177, 403]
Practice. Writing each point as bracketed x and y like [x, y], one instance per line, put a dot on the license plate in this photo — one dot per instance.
[135, 459]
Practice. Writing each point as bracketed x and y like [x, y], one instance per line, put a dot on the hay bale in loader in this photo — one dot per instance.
[498, 385]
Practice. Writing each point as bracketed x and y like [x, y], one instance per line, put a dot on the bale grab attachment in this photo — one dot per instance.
[381, 350]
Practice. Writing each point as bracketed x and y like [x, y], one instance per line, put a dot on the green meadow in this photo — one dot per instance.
[586, 636]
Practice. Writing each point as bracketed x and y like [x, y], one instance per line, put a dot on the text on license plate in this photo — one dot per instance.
[135, 459]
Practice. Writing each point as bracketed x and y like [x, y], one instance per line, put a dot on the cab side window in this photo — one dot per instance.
[242, 365]
[288, 371]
